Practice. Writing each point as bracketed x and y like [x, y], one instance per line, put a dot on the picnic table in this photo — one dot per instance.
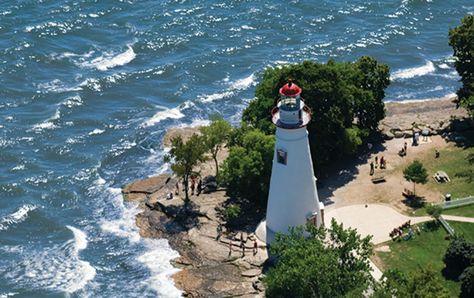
[378, 179]
[408, 193]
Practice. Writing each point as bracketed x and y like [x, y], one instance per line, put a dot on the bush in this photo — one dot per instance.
[232, 212]
[459, 255]
[467, 282]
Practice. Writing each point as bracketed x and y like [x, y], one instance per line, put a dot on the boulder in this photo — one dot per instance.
[251, 273]
[388, 135]
[398, 134]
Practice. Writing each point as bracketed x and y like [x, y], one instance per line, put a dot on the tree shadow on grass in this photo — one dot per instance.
[462, 134]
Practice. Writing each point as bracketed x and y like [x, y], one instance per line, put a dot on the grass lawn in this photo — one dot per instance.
[452, 160]
[426, 249]
[461, 211]
[464, 228]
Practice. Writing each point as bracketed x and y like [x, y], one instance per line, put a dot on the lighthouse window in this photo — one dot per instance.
[281, 156]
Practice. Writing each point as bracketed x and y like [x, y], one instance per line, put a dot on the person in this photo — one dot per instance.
[242, 246]
[376, 161]
[169, 196]
[436, 153]
[219, 231]
[371, 168]
[405, 147]
[192, 186]
[255, 247]
[382, 162]
[199, 187]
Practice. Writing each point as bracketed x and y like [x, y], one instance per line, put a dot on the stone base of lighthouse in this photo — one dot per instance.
[265, 234]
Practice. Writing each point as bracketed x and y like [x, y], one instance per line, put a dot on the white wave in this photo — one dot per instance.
[244, 83]
[96, 132]
[174, 113]
[109, 60]
[44, 125]
[409, 73]
[73, 101]
[56, 86]
[215, 96]
[158, 252]
[444, 66]
[57, 268]
[241, 84]
[18, 168]
[18, 216]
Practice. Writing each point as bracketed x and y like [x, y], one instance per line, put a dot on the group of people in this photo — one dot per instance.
[195, 185]
[242, 246]
[398, 232]
[382, 163]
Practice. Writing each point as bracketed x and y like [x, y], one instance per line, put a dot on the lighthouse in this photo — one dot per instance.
[293, 197]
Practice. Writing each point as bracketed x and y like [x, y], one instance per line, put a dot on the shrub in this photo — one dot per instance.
[459, 255]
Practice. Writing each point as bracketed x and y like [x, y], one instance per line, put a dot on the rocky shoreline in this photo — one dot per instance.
[212, 265]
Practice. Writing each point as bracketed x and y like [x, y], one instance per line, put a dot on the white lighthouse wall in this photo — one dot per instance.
[293, 196]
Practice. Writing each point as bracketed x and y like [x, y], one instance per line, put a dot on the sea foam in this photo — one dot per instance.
[18, 216]
[109, 60]
[157, 254]
[409, 73]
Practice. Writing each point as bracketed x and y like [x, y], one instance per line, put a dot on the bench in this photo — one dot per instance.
[408, 193]
[378, 179]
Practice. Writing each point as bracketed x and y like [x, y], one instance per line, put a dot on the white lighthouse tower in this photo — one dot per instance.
[293, 198]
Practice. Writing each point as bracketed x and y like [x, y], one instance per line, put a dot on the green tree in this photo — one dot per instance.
[424, 283]
[346, 100]
[415, 173]
[246, 171]
[215, 136]
[461, 39]
[184, 157]
[459, 255]
[434, 210]
[467, 282]
[320, 262]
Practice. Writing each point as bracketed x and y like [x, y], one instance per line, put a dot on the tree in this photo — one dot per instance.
[461, 39]
[246, 171]
[215, 136]
[415, 173]
[346, 100]
[185, 156]
[422, 283]
[459, 255]
[434, 210]
[467, 282]
[320, 262]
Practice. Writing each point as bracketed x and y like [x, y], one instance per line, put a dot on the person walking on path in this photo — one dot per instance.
[193, 182]
[371, 168]
[405, 147]
[199, 187]
[255, 247]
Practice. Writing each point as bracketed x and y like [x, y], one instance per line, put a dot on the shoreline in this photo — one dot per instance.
[207, 267]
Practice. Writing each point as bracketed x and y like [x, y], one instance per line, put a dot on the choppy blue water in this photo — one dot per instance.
[88, 89]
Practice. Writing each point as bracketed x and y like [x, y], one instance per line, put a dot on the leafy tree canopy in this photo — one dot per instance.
[415, 173]
[246, 171]
[461, 39]
[467, 282]
[185, 156]
[343, 96]
[459, 256]
[423, 284]
[320, 262]
[215, 136]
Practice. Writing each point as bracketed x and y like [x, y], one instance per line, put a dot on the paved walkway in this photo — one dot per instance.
[376, 220]
[458, 218]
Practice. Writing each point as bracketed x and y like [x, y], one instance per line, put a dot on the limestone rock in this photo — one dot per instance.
[251, 273]
[387, 135]
[398, 134]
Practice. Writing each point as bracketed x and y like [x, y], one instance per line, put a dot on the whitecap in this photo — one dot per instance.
[56, 86]
[109, 60]
[57, 267]
[444, 66]
[96, 132]
[44, 125]
[18, 216]
[174, 113]
[409, 73]
[215, 96]
[244, 83]
[18, 168]
[241, 84]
